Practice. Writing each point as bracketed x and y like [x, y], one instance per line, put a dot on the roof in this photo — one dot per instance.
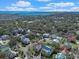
[53, 36]
[60, 56]
[4, 37]
[56, 40]
[46, 35]
[71, 37]
[4, 48]
[68, 45]
[47, 48]
[37, 47]
[24, 36]
[59, 38]
[62, 48]
[0, 38]
[25, 40]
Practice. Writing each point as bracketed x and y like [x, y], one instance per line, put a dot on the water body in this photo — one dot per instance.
[26, 13]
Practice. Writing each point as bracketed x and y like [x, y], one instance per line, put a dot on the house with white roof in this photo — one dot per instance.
[60, 56]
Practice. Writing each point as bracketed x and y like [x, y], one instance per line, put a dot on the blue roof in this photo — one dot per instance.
[47, 48]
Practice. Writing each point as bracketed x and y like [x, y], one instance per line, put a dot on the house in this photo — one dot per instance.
[59, 38]
[22, 37]
[14, 32]
[17, 35]
[0, 38]
[56, 37]
[37, 47]
[17, 58]
[18, 31]
[71, 38]
[21, 31]
[25, 41]
[3, 48]
[10, 55]
[60, 56]
[46, 50]
[61, 49]
[55, 42]
[46, 35]
[6, 50]
[77, 32]
[53, 36]
[27, 35]
[38, 34]
[68, 45]
[28, 31]
[77, 39]
[5, 37]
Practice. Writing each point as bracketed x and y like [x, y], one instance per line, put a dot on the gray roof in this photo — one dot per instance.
[4, 37]
[37, 47]
[25, 40]
[68, 45]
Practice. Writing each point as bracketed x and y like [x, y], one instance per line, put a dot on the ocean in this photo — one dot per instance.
[25, 13]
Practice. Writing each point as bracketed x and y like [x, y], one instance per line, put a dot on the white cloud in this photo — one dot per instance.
[43, 0]
[27, 6]
[75, 8]
[13, 8]
[20, 9]
[30, 9]
[61, 4]
[45, 8]
[57, 6]
[22, 4]
[53, 9]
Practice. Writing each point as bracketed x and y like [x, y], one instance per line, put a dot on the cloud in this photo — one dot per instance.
[61, 4]
[22, 4]
[45, 8]
[13, 8]
[75, 8]
[43, 0]
[53, 9]
[31, 9]
[20, 9]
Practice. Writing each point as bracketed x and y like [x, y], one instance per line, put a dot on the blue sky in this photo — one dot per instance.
[39, 5]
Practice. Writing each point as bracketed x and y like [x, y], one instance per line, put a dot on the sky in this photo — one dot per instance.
[39, 5]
